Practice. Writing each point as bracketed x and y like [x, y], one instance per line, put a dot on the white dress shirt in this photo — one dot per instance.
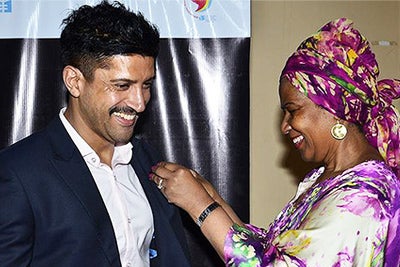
[124, 198]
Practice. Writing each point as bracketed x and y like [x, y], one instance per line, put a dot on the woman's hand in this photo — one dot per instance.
[190, 191]
[183, 187]
[207, 186]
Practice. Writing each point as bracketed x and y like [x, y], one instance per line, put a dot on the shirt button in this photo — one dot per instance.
[128, 264]
[129, 220]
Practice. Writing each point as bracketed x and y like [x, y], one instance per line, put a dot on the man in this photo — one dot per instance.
[77, 193]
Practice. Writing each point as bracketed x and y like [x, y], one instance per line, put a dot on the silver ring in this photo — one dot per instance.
[160, 184]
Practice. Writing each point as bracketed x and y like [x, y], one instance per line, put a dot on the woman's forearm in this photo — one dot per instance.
[215, 228]
[230, 212]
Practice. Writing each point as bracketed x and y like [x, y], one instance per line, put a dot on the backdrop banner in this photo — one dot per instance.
[199, 112]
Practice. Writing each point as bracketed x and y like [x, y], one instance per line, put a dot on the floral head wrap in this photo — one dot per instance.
[337, 70]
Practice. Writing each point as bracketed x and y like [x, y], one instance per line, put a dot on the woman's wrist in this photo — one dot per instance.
[207, 211]
[199, 208]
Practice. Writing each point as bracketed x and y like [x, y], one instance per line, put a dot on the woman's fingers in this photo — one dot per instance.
[181, 186]
[168, 165]
[165, 171]
[160, 183]
[180, 174]
[169, 170]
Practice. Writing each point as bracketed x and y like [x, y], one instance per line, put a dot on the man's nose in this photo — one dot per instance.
[137, 99]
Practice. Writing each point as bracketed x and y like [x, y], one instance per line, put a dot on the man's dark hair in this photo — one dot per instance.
[92, 34]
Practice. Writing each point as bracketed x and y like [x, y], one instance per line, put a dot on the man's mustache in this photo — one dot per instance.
[126, 110]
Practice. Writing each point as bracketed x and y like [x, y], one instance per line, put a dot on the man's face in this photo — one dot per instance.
[108, 106]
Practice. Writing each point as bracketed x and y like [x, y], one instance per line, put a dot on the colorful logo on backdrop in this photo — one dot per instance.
[202, 4]
[5, 6]
[196, 8]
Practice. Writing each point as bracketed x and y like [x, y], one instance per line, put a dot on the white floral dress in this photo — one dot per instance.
[349, 220]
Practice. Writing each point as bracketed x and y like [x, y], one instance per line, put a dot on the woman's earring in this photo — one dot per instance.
[338, 131]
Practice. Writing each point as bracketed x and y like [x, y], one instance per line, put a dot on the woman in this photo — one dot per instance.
[346, 212]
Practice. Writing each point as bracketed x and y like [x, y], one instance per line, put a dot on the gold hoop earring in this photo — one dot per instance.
[338, 131]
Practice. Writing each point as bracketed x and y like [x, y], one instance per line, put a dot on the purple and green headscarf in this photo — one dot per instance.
[337, 70]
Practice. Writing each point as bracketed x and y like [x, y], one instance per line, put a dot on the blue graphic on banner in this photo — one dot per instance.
[174, 18]
[5, 6]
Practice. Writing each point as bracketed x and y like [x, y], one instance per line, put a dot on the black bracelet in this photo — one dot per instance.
[206, 212]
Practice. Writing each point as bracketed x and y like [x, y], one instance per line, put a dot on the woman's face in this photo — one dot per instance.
[307, 125]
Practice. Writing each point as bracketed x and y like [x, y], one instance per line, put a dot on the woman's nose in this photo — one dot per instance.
[285, 126]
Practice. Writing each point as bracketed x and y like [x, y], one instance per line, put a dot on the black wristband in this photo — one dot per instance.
[206, 212]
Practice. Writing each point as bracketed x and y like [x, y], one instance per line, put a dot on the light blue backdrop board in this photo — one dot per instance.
[175, 18]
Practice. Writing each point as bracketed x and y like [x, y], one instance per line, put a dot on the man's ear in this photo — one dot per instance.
[72, 78]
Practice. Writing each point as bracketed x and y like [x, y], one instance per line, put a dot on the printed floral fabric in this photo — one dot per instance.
[337, 70]
[349, 220]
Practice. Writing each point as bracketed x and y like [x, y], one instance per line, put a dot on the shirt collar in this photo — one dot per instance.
[122, 154]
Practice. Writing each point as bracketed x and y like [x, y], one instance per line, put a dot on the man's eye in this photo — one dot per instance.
[147, 85]
[121, 87]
